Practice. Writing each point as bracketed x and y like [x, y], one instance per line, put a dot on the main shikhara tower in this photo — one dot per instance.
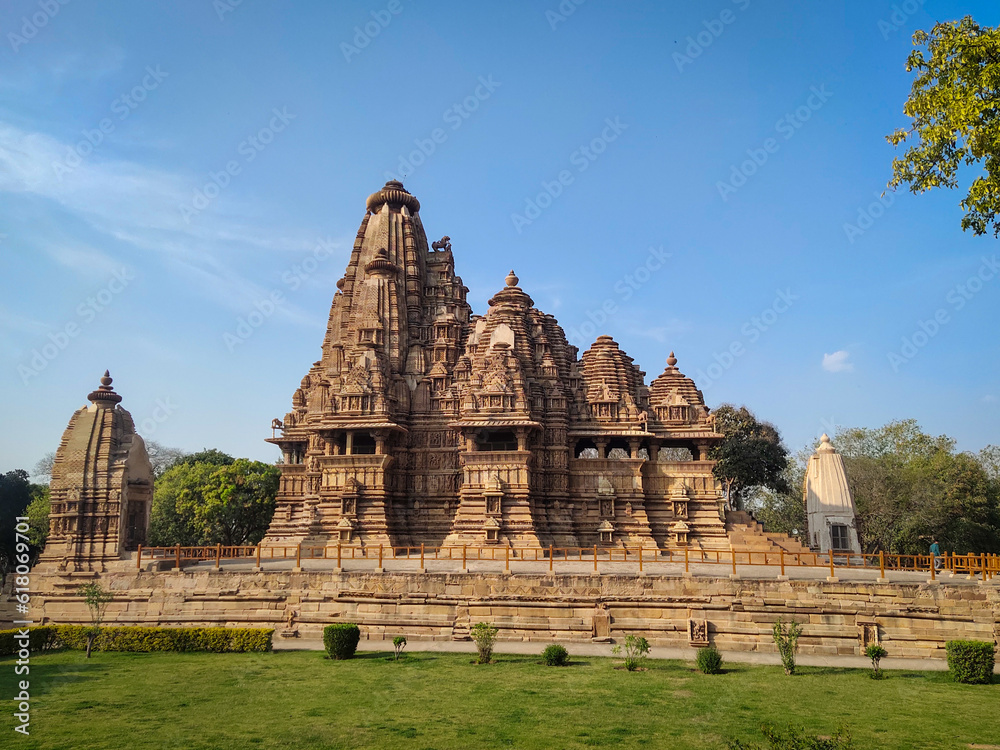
[424, 423]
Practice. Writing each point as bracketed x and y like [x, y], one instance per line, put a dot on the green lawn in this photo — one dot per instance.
[431, 700]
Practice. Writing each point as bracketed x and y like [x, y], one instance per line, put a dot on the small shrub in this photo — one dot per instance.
[341, 640]
[971, 662]
[485, 636]
[786, 636]
[708, 660]
[876, 653]
[398, 644]
[635, 649]
[555, 655]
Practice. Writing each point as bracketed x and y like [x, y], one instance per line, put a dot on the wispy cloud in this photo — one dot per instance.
[138, 205]
[12, 322]
[838, 362]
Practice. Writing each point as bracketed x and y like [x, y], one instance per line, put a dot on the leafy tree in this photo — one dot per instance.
[43, 469]
[208, 503]
[38, 518]
[15, 494]
[161, 457]
[181, 486]
[97, 599]
[238, 503]
[989, 459]
[783, 512]
[751, 457]
[909, 486]
[955, 105]
[211, 456]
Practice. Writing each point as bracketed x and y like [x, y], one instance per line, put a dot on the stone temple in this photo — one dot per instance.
[830, 513]
[423, 423]
[101, 488]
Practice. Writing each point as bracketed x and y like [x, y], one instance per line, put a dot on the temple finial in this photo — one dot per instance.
[511, 279]
[671, 360]
[104, 395]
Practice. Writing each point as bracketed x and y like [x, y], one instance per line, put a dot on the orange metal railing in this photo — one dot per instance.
[981, 565]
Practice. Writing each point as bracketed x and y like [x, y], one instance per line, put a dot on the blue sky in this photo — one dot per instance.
[697, 177]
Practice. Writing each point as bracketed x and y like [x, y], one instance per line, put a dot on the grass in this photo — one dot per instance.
[440, 701]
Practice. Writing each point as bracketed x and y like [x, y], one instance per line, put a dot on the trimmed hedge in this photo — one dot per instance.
[971, 662]
[144, 640]
[341, 640]
[40, 638]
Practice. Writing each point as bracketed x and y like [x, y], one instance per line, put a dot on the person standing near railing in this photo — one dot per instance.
[936, 553]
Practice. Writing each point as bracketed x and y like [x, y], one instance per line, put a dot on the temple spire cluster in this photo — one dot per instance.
[425, 423]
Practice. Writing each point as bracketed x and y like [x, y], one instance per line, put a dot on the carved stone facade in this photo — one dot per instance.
[424, 423]
[101, 488]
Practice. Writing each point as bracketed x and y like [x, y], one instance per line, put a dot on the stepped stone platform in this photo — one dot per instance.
[913, 619]
[747, 534]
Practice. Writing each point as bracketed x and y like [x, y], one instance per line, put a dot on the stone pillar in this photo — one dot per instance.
[350, 443]
[633, 447]
[602, 448]
[522, 439]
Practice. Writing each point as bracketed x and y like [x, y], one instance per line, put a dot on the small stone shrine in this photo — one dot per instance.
[101, 488]
[830, 515]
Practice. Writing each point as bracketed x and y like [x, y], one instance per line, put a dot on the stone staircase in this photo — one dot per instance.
[747, 535]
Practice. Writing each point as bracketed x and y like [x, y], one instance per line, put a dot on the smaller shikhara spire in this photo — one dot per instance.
[104, 395]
